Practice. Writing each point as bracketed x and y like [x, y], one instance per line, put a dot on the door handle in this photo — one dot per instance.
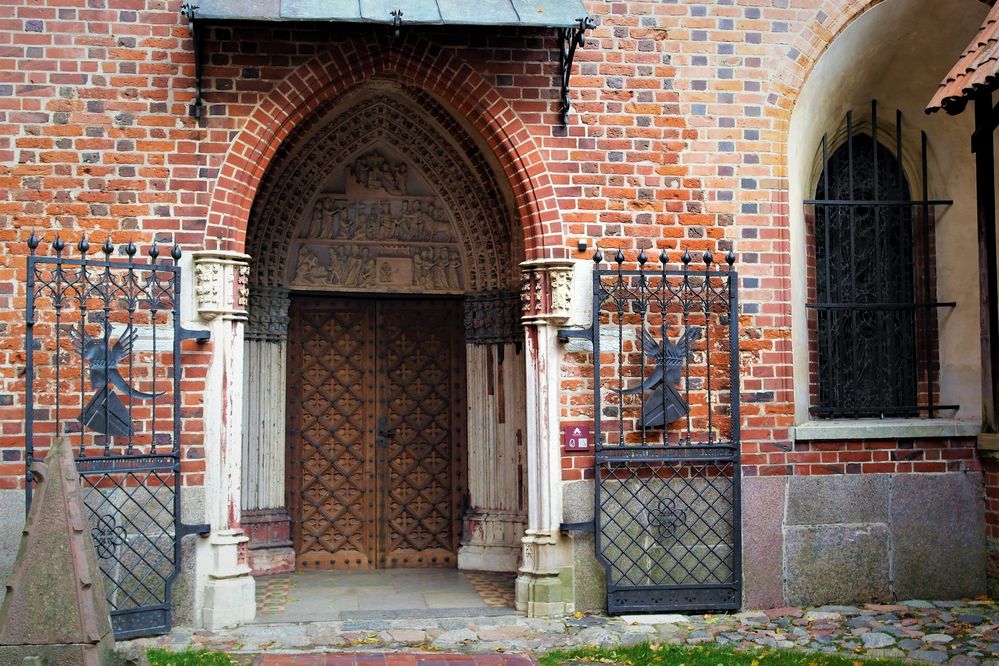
[384, 435]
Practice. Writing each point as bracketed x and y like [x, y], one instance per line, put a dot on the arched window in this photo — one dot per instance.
[873, 322]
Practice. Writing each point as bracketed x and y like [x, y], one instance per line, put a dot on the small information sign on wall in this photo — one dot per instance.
[576, 437]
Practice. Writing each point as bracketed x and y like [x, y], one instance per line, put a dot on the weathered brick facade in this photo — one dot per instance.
[678, 140]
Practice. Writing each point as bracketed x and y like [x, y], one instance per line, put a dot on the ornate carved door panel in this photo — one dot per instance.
[331, 418]
[376, 432]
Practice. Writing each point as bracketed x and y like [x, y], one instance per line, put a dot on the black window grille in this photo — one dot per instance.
[873, 315]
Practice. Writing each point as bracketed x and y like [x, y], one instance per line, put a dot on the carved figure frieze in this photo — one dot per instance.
[351, 266]
[546, 289]
[437, 268]
[398, 220]
[379, 267]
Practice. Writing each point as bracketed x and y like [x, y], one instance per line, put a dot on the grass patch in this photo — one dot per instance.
[160, 657]
[645, 654]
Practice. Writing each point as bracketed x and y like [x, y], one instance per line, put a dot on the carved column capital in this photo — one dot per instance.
[220, 284]
[546, 286]
[492, 317]
[268, 316]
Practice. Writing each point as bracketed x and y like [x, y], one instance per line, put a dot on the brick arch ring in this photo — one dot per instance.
[419, 63]
[793, 68]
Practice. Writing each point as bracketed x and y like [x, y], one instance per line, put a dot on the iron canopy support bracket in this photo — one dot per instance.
[202, 335]
[201, 529]
[586, 526]
[570, 38]
[190, 11]
[566, 334]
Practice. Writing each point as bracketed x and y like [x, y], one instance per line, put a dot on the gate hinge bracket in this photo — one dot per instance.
[569, 39]
[202, 335]
[584, 526]
[566, 334]
[202, 530]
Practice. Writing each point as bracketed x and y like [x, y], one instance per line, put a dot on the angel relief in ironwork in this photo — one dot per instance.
[105, 412]
[665, 404]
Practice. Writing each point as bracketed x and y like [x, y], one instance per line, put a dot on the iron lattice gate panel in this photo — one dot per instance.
[666, 396]
[102, 342]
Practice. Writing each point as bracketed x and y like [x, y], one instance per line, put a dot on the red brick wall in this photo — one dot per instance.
[676, 142]
[867, 456]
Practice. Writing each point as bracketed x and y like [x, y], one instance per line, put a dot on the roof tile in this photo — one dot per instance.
[976, 70]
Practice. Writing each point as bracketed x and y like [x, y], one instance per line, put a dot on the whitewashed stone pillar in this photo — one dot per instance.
[220, 292]
[265, 517]
[541, 589]
[494, 523]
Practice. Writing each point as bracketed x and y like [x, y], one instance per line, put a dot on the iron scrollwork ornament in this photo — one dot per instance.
[665, 519]
[108, 535]
[665, 404]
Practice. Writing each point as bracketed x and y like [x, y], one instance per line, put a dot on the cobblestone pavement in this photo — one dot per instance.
[963, 633]
[391, 660]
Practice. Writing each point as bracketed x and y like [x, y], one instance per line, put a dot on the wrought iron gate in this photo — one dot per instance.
[666, 397]
[103, 370]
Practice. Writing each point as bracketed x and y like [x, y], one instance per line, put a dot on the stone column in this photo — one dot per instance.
[265, 517]
[494, 522]
[220, 291]
[542, 590]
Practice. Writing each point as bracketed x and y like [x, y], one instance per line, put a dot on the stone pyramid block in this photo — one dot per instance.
[56, 611]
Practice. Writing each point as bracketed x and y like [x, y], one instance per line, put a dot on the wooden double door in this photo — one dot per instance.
[376, 432]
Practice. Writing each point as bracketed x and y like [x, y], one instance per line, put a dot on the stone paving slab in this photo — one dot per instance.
[318, 595]
[961, 633]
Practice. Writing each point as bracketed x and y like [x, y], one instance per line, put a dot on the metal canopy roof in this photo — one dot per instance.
[533, 13]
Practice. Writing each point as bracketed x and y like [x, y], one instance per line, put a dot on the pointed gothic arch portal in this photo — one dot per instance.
[384, 377]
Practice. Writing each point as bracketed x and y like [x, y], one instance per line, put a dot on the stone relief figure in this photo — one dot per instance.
[424, 221]
[327, 219]
[373, 172]
[351, 266]
[437, 268]
[310, 271]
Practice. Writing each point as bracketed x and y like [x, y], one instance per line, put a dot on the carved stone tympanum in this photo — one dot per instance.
[381, 229]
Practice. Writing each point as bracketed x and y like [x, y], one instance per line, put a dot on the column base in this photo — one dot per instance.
[269, 550]
[542, 595]
[230, 594]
